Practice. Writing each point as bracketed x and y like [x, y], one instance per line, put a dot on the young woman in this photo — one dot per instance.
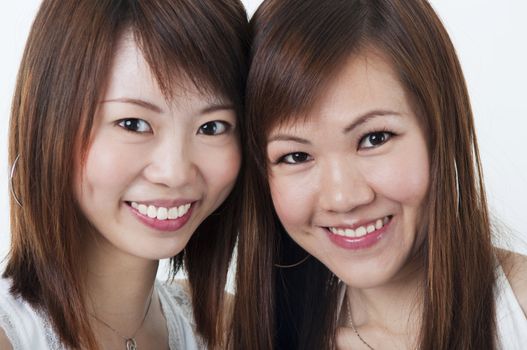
[366, 224]
[124, 149]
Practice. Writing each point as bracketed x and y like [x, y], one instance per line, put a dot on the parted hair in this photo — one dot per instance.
[298, 46]
[64, 69]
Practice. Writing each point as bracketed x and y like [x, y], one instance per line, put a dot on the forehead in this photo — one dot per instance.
[366, 82]
[131, 75]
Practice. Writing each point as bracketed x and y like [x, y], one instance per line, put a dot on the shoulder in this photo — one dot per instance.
[9, 304]
[176, 296]
[21, 325]
[4, 342]
[9, 307]
[5, 285]
[178, 290]
[176, 302]
[515, 268]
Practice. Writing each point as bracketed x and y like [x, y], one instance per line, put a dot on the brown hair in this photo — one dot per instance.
[63, 72]
[298, 47]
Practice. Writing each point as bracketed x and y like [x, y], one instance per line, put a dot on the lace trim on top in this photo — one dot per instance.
[51, 337]
[177, 307]
[15, 314]
[9, 330]
[175, 303]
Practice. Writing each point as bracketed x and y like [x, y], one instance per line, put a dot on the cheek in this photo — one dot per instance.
[404, 177]
[290, 200]
[108, 169]
[220, 167]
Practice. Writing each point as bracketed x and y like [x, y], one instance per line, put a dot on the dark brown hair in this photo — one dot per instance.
[63, 73]
[298, 47]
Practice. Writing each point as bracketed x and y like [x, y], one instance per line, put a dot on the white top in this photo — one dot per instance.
[510, 320]
[29, 329]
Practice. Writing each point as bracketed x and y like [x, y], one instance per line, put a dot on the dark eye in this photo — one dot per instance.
[374, 139]
[295, 158]
[214, 128]
[135, 125]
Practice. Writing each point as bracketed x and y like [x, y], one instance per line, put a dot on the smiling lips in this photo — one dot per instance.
[360, 237]
[162, 218]
[361, 230]
[161, 213]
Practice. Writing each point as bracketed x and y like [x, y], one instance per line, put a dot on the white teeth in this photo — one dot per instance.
[181, 210]
[173, 213]
[360, 231]
[161, 213]
[349, 232]
[152, 211]
[142, 208]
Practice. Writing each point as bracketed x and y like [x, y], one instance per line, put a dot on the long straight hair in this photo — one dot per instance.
[298, 47]
[64, 70]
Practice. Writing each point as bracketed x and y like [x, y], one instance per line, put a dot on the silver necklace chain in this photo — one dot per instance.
[129, 342]
[350, 321]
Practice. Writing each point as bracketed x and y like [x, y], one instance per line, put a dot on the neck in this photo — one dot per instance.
[395, 306]
[118, 286]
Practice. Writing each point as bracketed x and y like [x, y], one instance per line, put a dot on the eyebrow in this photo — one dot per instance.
[137, 102]
[216, 107]
[284, 137]
[213, 107]
[359, 121]
[367, 117]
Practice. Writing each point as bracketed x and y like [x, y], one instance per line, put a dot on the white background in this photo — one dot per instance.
[491, 40]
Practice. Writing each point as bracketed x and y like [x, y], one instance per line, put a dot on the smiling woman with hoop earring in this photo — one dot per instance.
[124, 147]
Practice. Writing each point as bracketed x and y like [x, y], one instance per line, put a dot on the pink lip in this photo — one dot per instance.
[168, 225]
[357, 243]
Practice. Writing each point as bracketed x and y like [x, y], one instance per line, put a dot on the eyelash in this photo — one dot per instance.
[227, 127]
[282, 158]
[384, 131]
[122, 124]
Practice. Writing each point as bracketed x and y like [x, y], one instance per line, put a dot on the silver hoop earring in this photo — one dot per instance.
[13, 167]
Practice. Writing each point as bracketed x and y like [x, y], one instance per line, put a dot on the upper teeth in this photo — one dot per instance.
[361, 230]
[161, 213]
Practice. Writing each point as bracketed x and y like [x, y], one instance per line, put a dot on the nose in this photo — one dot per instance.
[343, 186]
[172, 164]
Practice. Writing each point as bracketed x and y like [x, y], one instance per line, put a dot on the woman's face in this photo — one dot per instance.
[349, 182]
[155, 168]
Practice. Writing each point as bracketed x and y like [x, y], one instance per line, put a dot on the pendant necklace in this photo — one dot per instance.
[129, 342]
[350, 321]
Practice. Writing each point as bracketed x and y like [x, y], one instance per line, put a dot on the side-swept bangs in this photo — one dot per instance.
[62, 77]
[176, 39]
[298, 48]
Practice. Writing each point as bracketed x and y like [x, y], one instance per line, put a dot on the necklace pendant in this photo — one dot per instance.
[131, 344]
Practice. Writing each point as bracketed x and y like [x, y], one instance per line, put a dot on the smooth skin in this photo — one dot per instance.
[360, 154]
[146, 148]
